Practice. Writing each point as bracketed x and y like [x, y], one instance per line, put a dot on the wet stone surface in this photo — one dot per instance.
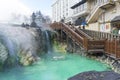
[94, 75]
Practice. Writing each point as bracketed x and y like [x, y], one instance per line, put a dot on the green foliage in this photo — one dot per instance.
[115, 31]
[59, 47]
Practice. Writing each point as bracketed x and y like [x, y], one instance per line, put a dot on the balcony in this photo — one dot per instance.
[81, 10]
[107, 4]
[98, 9]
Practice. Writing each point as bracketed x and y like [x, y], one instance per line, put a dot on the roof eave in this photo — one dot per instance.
[78, 4]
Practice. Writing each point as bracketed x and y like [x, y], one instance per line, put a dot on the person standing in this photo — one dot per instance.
[83, 26]
[115, 30]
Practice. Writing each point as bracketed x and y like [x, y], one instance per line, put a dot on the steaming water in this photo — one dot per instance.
[48, 44]
[17, 39]
[56, 66]
[52, 69]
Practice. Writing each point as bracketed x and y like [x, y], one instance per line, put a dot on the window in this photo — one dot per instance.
[85, 5]
[79, 8]
[82, 7]
[67, 4]
[66, 14]
[67, 9]
[95, 2]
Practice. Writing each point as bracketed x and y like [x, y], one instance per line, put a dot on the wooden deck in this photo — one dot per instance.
[92, 41]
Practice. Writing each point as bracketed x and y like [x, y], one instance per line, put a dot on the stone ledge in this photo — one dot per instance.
[95, 75]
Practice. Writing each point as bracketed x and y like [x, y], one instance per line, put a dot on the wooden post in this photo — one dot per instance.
[116, 48]
[74, 46]
[61, 31]
[67, 40]
[106, 44]
[85, 43]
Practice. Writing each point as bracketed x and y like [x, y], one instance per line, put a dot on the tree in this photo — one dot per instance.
[23, 25]
[33, 23]
[47, 19]
[33, 17]
[37, 19]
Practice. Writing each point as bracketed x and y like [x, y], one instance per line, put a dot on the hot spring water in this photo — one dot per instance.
[50, 69]
[52, 66]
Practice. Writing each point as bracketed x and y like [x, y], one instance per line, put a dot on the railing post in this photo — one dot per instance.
[61, 31]
[116, 48]
[111, 44]
[100, 35]
[85, 44]
[67, 40]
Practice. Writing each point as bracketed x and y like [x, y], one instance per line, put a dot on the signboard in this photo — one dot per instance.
[105, 27]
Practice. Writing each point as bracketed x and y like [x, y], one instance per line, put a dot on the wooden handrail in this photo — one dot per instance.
[92, 40]
[101, 35]
[83, 34]
[73, 34]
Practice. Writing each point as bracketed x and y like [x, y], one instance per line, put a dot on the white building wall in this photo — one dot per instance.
[54, 11]
[94, 26]
[107, 16]
[112, 12]
[62, 9]
[104, 21]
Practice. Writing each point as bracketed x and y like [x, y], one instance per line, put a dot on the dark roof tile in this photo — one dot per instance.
[117, 18]
[78, 4]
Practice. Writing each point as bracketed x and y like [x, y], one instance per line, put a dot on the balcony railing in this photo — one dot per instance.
[101, 4]
[82, 9]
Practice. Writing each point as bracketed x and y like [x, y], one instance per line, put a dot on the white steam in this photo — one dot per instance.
[21, 38]
[10, 7]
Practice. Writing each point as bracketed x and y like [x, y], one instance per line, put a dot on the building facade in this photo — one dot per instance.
[61, 9]
[99, 14]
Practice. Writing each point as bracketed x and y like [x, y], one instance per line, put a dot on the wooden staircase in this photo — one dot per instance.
[81, 38]
[92, 41]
